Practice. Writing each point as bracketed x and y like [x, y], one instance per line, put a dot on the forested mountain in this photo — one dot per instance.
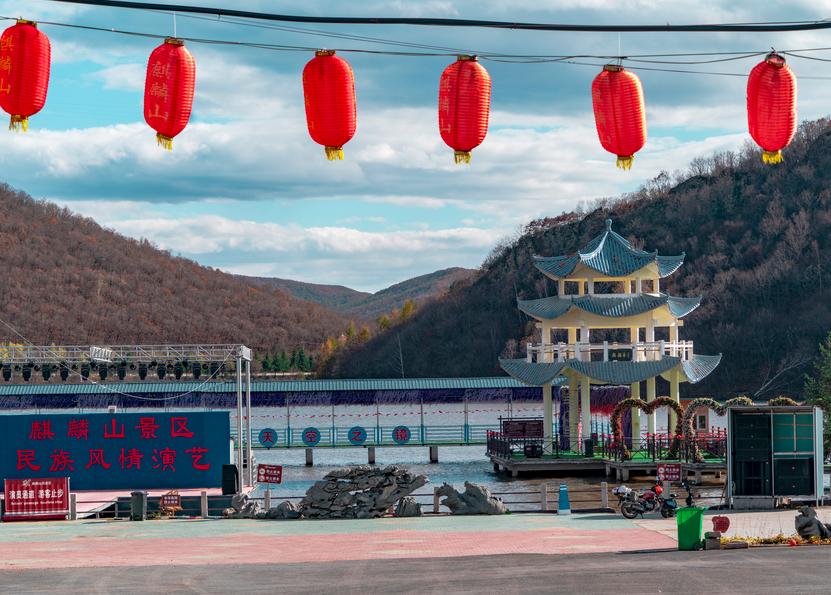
[65, 279]
[368, 306]
[758, 248]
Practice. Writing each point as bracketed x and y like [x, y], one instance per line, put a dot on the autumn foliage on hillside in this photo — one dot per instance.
[66, 280]
[758, 248]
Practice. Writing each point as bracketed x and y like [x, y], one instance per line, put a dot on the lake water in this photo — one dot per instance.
[457, 464]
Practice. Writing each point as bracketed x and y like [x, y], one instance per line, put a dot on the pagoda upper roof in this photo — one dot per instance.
[608, 305]
[609, 254]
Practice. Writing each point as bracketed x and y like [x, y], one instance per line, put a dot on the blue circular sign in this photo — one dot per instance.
[401, 434]
[268, 437]
[357, 435]
[311, 436]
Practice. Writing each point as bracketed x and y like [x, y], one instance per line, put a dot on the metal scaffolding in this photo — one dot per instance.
[71, 356]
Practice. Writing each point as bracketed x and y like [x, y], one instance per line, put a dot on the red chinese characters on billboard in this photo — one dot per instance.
[108, 451]
[36, 499]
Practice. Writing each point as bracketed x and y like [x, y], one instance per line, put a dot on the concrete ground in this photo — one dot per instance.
[757, 571]
[594, 553]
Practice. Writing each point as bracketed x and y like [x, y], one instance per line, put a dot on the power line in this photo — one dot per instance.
[770, 26]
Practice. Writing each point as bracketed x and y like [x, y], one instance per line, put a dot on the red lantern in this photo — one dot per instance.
[329, 94]
[25, 58]
[771, 106]
[617, 98]
[464, 106]
[168, 90]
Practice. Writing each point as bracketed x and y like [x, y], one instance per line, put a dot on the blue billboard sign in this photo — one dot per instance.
[118, 451]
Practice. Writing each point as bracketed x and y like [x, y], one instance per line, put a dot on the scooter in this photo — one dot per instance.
[633, 503]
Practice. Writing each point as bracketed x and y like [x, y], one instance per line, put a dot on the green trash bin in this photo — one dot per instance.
[690, 521]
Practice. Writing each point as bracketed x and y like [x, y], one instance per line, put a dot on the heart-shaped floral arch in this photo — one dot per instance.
[647, 408]
[713, 405]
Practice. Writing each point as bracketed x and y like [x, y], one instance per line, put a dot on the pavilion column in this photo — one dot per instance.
[561, 287]
[591, 286]
[581, 287]
[656, 285]
[585, 406]
[635, 393]
[572, 340]
[638, 286]
[545, 336]
[634, 337]
[573, 411]
[650, 338]
[673, 338]
[548, 414]
[675, 395]
[650, 396]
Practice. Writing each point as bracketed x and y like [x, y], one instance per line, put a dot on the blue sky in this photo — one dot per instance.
[246, 190]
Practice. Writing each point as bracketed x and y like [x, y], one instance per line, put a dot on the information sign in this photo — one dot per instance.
[669, 471]
[357, 435]
[401, 434]
[268, 437]
[269, 473]
[36, 499]
[311, 436]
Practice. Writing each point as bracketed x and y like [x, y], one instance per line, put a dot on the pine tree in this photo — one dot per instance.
[293, 360]
[266, 363]
[283, 363]
[818, 387]
[310, 364]
[301, 360]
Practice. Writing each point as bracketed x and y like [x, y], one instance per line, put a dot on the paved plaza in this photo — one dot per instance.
[594, 553]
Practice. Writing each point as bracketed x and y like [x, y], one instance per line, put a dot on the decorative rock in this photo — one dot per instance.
[359, 492]
[475, 499]
[808, 525]
[243, 508]
[407, 507]
[284, 510]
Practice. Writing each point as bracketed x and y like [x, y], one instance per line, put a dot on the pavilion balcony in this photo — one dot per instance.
[606, 351]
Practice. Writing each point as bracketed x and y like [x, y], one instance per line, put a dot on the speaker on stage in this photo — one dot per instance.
[229, 480]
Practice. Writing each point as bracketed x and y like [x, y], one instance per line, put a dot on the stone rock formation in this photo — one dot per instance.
[808, 525]
[407, 506]
[475, 499]
[359, 492]
[284, 510]
[242, 507]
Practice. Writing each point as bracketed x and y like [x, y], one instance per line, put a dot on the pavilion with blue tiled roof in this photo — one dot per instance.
[635, 304]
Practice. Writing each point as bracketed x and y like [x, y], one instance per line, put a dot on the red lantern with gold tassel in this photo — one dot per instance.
[168, 90]
[329, 94]
[771, 106]
[25, 59]
[617, 98]
[464, 106]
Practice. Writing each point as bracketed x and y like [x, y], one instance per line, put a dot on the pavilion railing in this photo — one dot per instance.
[639, 351]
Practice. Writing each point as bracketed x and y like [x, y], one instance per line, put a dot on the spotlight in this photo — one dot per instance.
[121, 370]
[46, 371]
[17, 367]
[161, 370]
[142, 370]
[7, 372]
[27, 372]
[85, 367]
[178, 369]
[103, 371]
[64, 372]
[132, 366]
[214, 368]
[153, 363]
[197, 370]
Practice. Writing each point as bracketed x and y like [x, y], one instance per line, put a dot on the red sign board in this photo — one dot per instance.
[523, 428]
[669, 472]
[269, 473]
[36, 499]
[171, 500]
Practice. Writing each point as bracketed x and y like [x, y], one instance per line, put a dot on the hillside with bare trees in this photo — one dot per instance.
[758, 248]
[65, 279]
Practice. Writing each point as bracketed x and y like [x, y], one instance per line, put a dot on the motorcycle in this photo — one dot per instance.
[633, 503]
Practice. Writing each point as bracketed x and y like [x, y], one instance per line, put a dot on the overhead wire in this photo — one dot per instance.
[758, 26]
[573, 59]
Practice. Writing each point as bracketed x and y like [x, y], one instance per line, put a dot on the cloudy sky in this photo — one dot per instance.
[246, 190]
